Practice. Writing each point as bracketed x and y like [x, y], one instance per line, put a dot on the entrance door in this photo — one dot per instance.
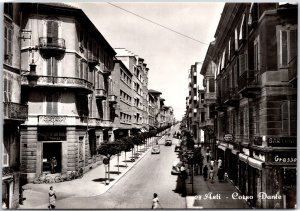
[51, 150]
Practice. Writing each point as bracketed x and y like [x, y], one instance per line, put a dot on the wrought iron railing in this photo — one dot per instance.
[15, 111]
[61, 81]
[52, 42]
[246, 79]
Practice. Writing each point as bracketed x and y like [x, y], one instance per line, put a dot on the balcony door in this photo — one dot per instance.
[52, 103]
[52, 67]
[52, 33]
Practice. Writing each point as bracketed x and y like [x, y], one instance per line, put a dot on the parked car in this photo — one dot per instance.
[177, 148]
[168, 142]
[155, 149]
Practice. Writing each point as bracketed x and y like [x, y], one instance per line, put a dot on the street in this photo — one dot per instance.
[136, 188]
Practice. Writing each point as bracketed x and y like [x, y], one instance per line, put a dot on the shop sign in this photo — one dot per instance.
[228, 137]
[282, 141]
[285, 157]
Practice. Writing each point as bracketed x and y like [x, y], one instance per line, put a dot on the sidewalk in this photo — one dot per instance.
[91, 184]
[214, 195]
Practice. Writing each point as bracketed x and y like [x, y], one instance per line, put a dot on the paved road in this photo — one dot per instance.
[136, 188]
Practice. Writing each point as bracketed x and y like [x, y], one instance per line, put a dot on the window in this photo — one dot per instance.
[52, 103]
[7, 89]
[8, 33]
[8, 9]
[289, 118]
[211, 85]
[52, 33]
[242, 63]
[287, 44]
[242, 32]
[5, 156]
[51, 66]
[256, 55]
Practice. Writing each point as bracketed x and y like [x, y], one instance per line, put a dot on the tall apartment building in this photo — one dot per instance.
[71, 105]
[255, 54]
[139, 79]
[15, 110]
[154, 107]
[208, 100]
[193, 119]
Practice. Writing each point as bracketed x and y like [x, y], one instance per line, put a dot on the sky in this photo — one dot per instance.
[168, 55]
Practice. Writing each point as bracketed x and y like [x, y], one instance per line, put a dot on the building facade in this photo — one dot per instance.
[255, 55]
[71, 105]
[15, 110]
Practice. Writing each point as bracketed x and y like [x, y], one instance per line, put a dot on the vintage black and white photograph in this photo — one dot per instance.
[149, 105]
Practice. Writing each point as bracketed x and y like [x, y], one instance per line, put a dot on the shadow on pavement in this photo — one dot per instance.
[121, 165]
[103, 179]
[115, 172]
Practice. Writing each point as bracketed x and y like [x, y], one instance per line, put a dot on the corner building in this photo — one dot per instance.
[255, 55]
[71, 106]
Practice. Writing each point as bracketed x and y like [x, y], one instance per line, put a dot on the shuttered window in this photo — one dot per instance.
[7, 90]
[5, 157]
[52, 67]
[256, 55]
[211, 87]
[289, 118]
[8, 33]
[288, 45]
[52, 33]
[52, 103]
[242, 63]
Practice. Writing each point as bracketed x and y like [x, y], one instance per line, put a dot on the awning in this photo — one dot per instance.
[222, 147]
[243, 157]
[255, 163]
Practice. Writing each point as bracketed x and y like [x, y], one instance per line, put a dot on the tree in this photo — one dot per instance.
[127, 145]
[108, 150]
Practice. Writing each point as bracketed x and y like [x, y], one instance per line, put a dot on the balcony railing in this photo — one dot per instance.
[65, 82]
[232, 97]
[100, 94]
[106, 71]
[44, 120]
[15, 111]
[92, 62]
[52, 47]
[292, 74]
[248, 84]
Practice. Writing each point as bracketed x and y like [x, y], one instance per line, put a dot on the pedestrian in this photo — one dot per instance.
[53, 165]
[220, 174]
[219, 162]
[183, 177]
[52, 197]
[207, 157]
[212, 162]
[155, 201]
[205, 172]
[211, 174]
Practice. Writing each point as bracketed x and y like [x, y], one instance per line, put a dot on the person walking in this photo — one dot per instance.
[219, 162]
[220, 174]
[205, 172]
[155, 202]
[52, 197]
[211, 174]
[183, 177]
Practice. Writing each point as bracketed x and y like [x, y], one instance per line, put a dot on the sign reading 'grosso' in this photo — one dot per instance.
[285, 157]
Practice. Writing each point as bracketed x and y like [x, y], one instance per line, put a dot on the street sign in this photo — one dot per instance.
[228, 137]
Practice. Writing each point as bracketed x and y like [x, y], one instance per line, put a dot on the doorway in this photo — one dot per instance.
[51, 150]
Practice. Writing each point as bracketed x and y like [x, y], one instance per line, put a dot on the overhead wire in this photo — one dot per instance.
[184, 35]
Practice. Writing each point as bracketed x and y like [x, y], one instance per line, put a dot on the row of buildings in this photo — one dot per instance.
[65, 91]
[247, 107]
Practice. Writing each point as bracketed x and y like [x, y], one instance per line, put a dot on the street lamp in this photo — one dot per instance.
[31, 76]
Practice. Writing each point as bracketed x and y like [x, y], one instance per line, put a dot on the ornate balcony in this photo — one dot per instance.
[232, 97]
[100, 94]
[15, 111]
[292, 74]
[52, 47]
[112, 99]
[248, 84]
[63, 82]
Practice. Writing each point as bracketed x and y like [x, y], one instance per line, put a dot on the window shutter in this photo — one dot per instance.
[9, 88]
[5, 157]
[49, 67]
[211, 85]
[49, 29]
[242, 64]
[293, 44]
[54, 67]
[284, 49]
[285, 118]
[5, 90]
[55, 29]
